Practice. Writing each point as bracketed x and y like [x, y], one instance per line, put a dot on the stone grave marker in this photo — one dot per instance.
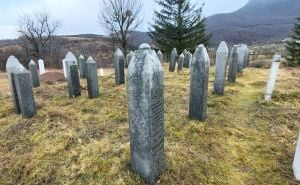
[145, 88]
[70, 59]
[74, 81]
[128, 58]
[296, 162]
[173, 60]
[233, 64]
[180, 62]
[82, 67]
[199, 84]
[92, 78]
[34, 74]
[160, 56]
[220, 72]
[119, 67]
[41, 66]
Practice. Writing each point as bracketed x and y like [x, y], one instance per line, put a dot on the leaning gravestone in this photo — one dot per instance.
[173, 59]
[34, 74]
[180, 62]
[128, 58]
[199, 84]
[146, 114]
[25, 93]
[233, 64]
[70, 59]
[12, 65]
[92, 78]
[82, 67]
[41, 66]
[160, 56]
[74, 82]
[272, 77]
[241, 58]
[296, 162]
[220, 73]
[119, 67]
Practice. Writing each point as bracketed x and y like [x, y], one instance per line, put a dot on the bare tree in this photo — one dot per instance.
[36, 32]
[119, 17]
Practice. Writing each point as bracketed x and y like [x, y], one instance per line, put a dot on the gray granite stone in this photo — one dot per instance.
[82, 67]
[220, 72]
[199, 84]
[70, 59]
[128, 58]
[187, 59]
[34, 74]
[92, 78]
[25, 93]
[74, 82]
[145, 88]
[160, 56]
[233, 65]
[173, 60]
[12, 65]
[180, 62]
[119, 67]
[241, 58]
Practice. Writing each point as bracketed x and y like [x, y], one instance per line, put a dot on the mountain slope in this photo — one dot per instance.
[257, 21]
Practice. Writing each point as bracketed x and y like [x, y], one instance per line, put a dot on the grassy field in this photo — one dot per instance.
[81, 141]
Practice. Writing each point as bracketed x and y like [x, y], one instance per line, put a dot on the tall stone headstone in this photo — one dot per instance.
[173, 60]
[70, 59]
[92, 78]
[296, 162]
[34, 74]
[25, 93]
[233, 65]
[273, 76]
[74, 82]
[128, 58]
[119, 67]
[187, 59]
[241, 58]
[160, 56]
[12, 65]
[146, 114]
[82, 67]
[64, 68]
[220, 73]
[246, 56]
[199, 84]
[41, 66]
[180, 62]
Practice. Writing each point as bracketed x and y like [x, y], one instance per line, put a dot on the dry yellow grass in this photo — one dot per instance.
[81, 141]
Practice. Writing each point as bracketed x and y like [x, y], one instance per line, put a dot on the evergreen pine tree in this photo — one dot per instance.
[293, 46]
[178, 24]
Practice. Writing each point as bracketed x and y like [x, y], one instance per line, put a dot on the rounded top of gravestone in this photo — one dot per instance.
[277, 57]
[181, 55]
[90, 60]
[144, 46]
[81, 57]
[40, 60]
[12, 61]
[222, 47]
[119, 52]
[201, 50]
[185, 51]
[70, 57]
[32, 62]
[159, 52]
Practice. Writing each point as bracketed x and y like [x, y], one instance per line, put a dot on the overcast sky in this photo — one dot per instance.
[80, 16]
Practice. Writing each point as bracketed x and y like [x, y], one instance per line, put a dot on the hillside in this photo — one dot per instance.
[258, 21]
[82, 141]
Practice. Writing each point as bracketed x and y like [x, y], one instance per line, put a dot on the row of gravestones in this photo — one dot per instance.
[22, 81]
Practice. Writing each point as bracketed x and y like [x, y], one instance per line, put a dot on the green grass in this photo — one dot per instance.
[82, 141]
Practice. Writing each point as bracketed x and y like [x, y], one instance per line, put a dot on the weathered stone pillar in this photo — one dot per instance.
[12, 65]
[273, 76]
[74, 82]
[199, 84]
[25, 93]
[34, 74]
[180, 62]
[41, 66]
[220, 73]
[70, 59]
[241, 58]
[233, 65]
[128, 58]
[92, 78]
[146, 114]
[82, 67]
[187, 59]
[160, 56]
[173, 59]
[119, 67]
